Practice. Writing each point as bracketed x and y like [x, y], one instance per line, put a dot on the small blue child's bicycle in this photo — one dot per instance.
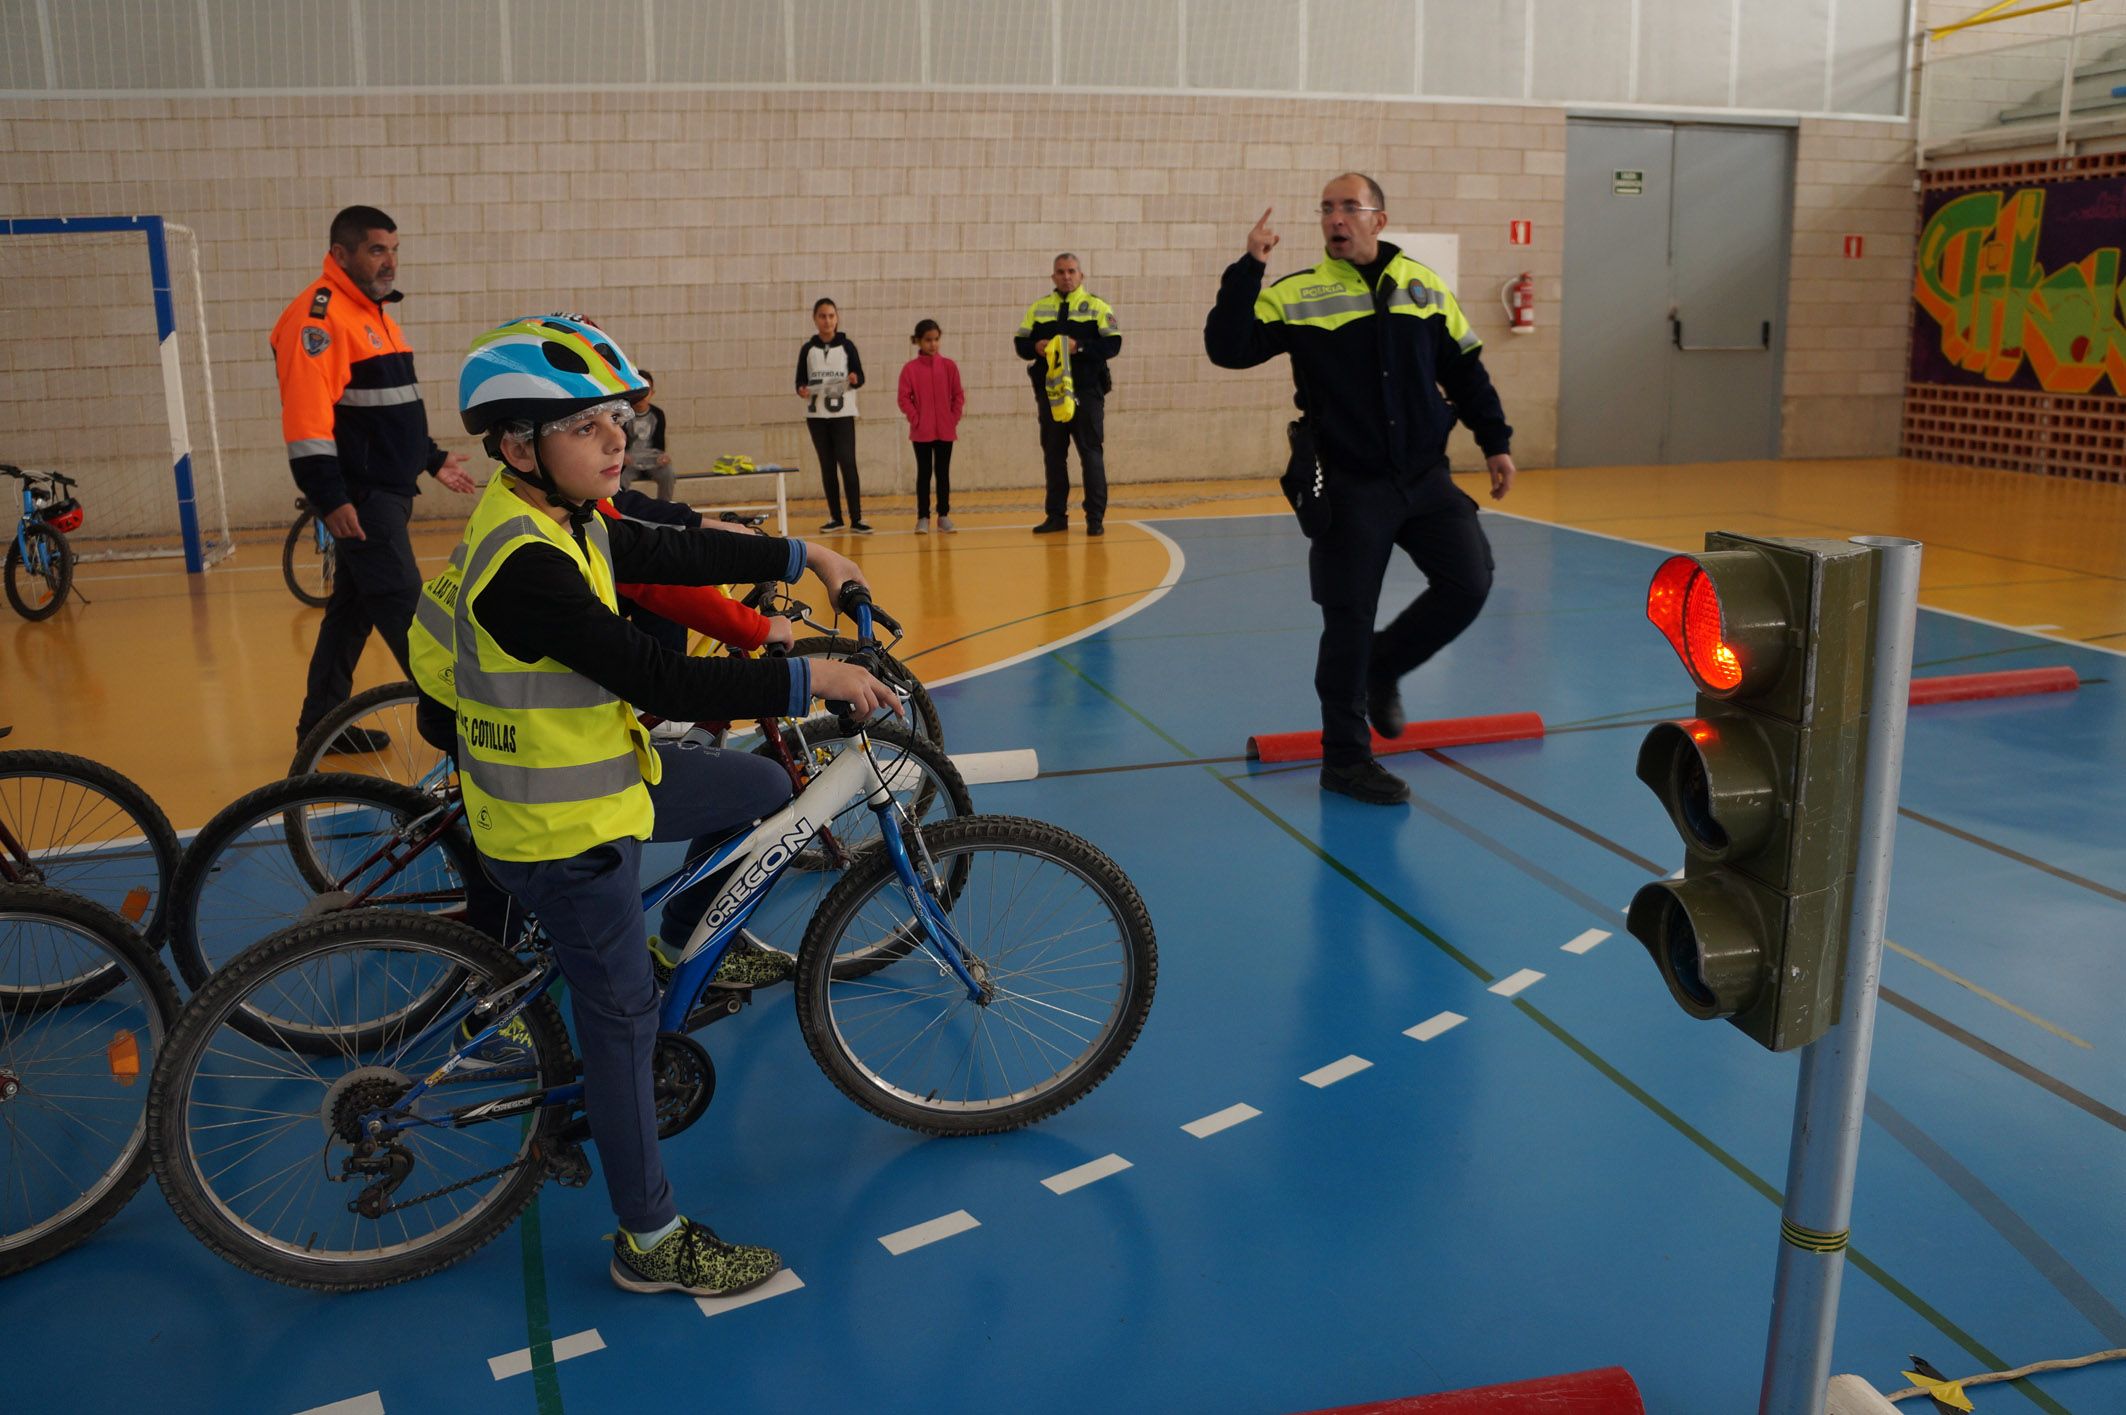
[40, 563]
[370, 1096]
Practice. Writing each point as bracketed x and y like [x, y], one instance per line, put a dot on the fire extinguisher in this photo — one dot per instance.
[1518, 296]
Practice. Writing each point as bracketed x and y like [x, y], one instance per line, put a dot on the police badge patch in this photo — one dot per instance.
[315, 341]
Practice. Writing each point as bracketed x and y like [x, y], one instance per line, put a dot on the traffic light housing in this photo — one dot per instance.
[1763, 784]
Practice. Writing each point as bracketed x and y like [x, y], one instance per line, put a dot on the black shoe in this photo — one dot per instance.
[1051, 525]
[860, 528]
[1095, 528]
[1384, 709]
[1366, 781]
[359, 741]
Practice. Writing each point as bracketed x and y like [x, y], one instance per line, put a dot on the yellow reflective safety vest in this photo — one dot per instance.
[551, 763]
[1062, 393]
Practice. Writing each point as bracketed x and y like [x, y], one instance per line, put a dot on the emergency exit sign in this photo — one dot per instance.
[1852, 247]
[1627, 182]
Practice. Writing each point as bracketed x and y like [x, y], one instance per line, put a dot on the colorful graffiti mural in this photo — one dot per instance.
[2016, 291]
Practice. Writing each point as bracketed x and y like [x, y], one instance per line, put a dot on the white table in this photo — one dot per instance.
[774, 472]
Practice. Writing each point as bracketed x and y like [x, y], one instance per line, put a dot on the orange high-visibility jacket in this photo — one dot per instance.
[351, 410]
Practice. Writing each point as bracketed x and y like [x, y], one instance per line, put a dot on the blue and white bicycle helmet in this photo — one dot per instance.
[540, 368]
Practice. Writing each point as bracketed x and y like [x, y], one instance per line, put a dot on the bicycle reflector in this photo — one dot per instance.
[123, 1056]
[1762, 784]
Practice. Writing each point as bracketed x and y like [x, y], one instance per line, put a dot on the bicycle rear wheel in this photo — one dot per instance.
[1052, 930]
[251, 1139]
[74, 824]
[309, 558]
[403, 755]
[73, 1071]
[38, 585]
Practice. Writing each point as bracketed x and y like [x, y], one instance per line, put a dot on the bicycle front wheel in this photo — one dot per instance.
[309, 558]
[73, 1071]
[1055, 937]
[74, 824]
[37, 583]
[252, 1140]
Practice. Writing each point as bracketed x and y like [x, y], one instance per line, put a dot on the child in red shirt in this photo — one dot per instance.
[931, 399]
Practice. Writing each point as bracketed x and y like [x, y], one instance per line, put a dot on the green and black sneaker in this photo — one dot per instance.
[693, 1260]
[749, 963]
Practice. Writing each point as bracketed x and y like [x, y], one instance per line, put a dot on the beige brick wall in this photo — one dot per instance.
[699, 226]
[1847, 318]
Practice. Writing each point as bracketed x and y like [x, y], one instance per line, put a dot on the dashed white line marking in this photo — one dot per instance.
[984, 768]
[959, 1221]
[776, 1286]
[2036, 628]
[1586, 941]
[566, 1348]
[1084, 1174]
[1336, 1071]
[1517, 983]
[1219, 1120]
[1435, 1025]
[1676, 873]
[370, 1404]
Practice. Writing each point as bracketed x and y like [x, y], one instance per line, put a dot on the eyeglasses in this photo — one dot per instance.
[618, 410]
[1347, 208]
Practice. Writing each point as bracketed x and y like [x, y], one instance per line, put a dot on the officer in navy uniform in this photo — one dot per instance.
[1385, 362]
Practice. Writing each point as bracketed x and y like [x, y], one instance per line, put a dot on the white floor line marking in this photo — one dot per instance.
[1676, 873]
[1435, 1025]
[370, 1404]
[566, 1348]
[1085, 1174]
[1336, 1071]
[1585, 942]
[1219, 1120]
[776, 1286]
[1176, 563]
[959, 1221]
[985, 768]
[2035, 628]
[1520, 982]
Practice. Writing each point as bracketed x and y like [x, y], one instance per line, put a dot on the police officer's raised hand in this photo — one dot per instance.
[1262, 240]
[452, 474]
[841, 682]
[344, 523]
[1501, 469]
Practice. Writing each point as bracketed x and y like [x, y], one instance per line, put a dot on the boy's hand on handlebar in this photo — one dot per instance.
[840, 682]
[781, 634]
[833, 568]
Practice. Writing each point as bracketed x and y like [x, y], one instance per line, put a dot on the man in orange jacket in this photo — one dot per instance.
[357, 437]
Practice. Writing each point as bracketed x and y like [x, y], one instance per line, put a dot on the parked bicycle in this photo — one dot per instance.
[967, 977]
[40, 561]
[309, 557]
[73, 1065]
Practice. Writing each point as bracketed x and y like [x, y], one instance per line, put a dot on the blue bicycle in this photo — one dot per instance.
[309, 557]
[965, 977]
[40, 563]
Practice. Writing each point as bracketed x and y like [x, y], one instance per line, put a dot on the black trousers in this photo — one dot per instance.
[375, 586]
[834, 439]
[1432, 521]
[929, 455]
[1088, 429]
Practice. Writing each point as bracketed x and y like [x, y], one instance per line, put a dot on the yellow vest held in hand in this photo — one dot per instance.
[1062, 395]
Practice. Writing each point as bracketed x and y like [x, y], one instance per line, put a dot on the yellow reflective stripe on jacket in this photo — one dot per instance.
[1334, 294]
[551, 763]
[1082, 306]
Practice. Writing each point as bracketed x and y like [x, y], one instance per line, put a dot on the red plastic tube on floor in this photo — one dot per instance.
[1417, 737]
[1608, 1391]
[2009, 683]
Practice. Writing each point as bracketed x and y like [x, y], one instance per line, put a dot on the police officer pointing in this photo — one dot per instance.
[357, 439]
[1376, 341]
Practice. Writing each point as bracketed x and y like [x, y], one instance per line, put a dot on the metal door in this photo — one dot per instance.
[1675, 275]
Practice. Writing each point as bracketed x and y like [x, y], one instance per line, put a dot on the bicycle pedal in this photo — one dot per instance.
[567, 1165]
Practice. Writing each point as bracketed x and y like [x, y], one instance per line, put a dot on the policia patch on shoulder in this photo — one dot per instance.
[320, 301]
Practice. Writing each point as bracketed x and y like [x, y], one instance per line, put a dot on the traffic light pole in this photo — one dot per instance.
[1832, 1094]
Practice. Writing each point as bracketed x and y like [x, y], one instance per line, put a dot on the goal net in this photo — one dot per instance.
[105, 376]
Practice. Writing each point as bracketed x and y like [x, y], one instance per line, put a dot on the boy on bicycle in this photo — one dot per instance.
[561, 783]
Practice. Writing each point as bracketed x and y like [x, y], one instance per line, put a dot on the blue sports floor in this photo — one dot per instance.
[1568, 1176]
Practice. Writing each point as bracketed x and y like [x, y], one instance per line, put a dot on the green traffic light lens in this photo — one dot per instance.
[1686, 959]
[1694, 799]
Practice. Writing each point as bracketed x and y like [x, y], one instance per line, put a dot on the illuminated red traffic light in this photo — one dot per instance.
[1684, 605]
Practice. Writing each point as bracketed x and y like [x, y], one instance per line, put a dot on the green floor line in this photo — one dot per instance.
[546, 1382]
[1926, 1311]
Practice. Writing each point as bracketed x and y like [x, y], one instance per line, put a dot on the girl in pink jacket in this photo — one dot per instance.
[931, 400]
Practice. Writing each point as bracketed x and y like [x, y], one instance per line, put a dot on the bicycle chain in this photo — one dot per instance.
[435, 1194]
